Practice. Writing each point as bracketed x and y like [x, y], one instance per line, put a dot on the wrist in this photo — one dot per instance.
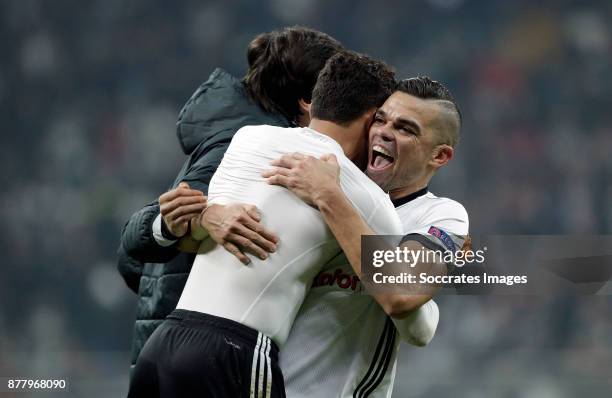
[325, 197]
[165, 231]
[198, 231]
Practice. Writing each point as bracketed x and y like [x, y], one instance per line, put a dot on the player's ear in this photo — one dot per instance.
[304, 117]
[304, 105]
[441, 155]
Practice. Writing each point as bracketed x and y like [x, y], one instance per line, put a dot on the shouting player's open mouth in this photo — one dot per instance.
[381, 158]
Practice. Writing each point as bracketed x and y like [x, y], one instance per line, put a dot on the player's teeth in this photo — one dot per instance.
[380, 149]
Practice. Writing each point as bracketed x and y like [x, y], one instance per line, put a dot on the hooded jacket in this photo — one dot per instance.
[205, 127]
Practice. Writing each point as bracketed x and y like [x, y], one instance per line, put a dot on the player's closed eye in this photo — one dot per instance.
[406, 130]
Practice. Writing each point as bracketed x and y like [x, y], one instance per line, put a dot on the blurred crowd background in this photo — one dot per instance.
[90, 92]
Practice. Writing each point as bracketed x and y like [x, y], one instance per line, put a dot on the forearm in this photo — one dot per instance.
[345, 223]
[348, 227]
[138, 241]
[316, 182]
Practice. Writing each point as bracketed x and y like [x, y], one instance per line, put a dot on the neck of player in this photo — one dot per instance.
[404, 191]
[345, 136]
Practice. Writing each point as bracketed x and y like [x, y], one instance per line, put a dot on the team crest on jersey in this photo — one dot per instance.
[446, 240]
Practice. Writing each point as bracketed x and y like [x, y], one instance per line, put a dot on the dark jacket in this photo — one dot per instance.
[205, 127]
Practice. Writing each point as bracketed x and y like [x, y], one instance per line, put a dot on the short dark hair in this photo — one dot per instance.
[284, 65]
[425, 88]
[349, 85]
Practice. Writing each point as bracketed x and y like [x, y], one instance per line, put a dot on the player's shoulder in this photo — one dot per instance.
[429, 213]
[443, 205]
[441, 212]
[264, 134]
[262, 128]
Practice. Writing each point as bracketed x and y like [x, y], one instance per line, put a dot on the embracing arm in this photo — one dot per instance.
[137, 238]
[316, 181]
[139, 245]
[237, 227]
[177, 206]
[347, 226]
[150, 233]
[415, 316]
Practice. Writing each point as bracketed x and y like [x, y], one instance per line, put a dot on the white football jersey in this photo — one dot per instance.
[266, 295]
[342, 343]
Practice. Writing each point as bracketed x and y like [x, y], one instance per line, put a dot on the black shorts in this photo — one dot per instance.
[192, 354]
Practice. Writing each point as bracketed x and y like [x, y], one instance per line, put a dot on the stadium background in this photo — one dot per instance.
[90, 91]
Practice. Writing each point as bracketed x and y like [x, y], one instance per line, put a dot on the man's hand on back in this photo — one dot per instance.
[237, 227]
[311, 179]
[179, 206]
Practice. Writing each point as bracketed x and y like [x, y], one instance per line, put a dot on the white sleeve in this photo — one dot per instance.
[157, 233]
[445, 225]
[419, 327]
[448, 215]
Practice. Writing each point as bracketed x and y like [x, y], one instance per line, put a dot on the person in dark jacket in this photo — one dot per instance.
[283, 67]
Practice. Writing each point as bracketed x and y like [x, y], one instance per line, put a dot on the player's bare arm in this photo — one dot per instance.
[316, 181]
[237, 227]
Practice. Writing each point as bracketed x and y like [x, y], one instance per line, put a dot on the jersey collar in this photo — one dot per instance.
[401, 201]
